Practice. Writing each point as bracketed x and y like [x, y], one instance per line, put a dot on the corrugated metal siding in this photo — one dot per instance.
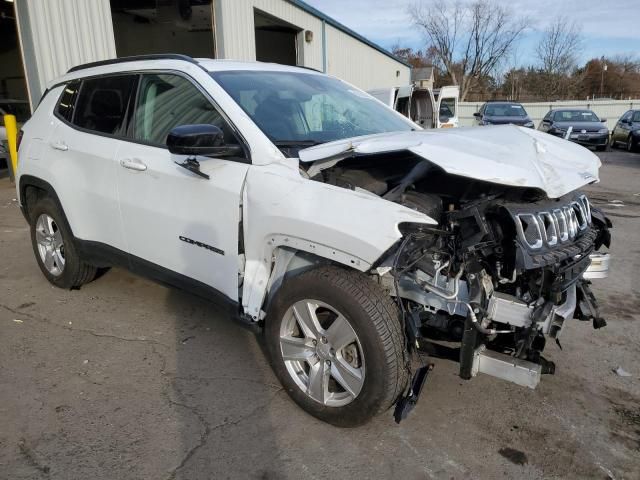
[347, 57]
[609, 109]
[235, 28]
[365, 67]
[67, 33]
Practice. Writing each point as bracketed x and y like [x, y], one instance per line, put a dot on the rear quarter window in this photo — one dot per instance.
[65, 106]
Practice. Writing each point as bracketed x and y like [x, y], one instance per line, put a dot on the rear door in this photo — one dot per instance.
[179, 227]
[447, 107]
[81, 153]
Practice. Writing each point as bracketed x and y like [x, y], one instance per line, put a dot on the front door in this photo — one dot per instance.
[177, 223]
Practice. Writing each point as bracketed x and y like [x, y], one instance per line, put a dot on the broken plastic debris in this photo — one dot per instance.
[17, 320]
[621, 372]
[85, 361]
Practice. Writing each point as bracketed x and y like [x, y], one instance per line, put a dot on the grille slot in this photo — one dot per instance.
[556, 226]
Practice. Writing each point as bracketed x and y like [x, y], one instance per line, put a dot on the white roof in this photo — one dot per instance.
[209, 64]
[214, 65]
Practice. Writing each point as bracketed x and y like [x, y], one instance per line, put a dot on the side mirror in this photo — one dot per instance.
[603, 120]
[477, 115]
[200, 139]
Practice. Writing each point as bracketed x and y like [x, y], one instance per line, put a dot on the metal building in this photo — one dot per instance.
[55, 35]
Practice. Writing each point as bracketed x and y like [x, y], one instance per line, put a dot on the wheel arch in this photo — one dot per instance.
[31, 189]
[288, 260]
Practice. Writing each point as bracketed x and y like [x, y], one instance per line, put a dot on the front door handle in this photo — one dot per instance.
[134, 164]
[59, 146]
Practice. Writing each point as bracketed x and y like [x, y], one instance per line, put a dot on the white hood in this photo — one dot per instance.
[503, 154]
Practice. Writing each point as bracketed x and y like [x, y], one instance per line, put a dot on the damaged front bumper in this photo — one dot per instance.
[599, 267]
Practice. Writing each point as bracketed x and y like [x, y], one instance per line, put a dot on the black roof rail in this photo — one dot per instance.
[309, 68]
[134, 58]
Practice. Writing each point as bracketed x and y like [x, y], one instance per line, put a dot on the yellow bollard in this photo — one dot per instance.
[11, 127]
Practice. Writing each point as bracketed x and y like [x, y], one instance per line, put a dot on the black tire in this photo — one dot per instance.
[75, 272]
[631, 145]
[612, 143]
[601, 148]
[374, 318]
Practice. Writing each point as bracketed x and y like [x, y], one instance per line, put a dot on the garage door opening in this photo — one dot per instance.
[14, 99]
[144, 27]
[276, 40]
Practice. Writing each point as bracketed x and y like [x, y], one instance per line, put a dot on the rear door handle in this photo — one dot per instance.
[134, 164]
[59, 146]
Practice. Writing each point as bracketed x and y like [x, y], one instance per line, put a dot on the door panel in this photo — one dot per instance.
[172, 217]
[90, 114]
[85, 172]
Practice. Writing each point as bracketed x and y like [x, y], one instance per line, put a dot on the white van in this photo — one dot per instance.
[419, 104]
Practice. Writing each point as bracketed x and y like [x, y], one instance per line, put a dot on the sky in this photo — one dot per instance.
[609, 27]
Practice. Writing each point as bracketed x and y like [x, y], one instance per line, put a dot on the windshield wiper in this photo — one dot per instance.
[296, 143]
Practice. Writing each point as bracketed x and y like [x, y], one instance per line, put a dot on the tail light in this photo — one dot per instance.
[19, 140]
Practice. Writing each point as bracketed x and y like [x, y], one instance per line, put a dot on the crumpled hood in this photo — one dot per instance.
[502, 154]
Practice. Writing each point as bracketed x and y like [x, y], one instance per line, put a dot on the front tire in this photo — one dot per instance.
[335, 342]
[54, 249]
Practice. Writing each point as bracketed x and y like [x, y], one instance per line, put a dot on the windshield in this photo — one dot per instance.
[575, 116]
[505, 110]
[303, 108]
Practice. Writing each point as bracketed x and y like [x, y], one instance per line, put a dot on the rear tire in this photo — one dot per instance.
[364, 377]
[54, 249]
[631, 145]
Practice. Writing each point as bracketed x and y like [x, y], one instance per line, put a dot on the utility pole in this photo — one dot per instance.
[604, 69]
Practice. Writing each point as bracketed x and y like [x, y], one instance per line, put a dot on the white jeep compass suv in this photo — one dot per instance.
[316, 211]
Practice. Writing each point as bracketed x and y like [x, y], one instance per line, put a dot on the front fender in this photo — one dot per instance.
[280, 208]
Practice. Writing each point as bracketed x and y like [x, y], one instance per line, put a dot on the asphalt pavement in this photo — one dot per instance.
[127, 379]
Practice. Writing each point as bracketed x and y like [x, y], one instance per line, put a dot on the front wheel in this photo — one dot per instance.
[335, 342]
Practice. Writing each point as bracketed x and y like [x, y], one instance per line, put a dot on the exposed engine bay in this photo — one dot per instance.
[503, 271]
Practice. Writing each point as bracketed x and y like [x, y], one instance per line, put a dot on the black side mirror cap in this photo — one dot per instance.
[477, 115]
[603, 120]
[200, 139]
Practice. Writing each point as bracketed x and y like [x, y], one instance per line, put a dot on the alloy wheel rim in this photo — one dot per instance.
[322, 353]
[50, 244]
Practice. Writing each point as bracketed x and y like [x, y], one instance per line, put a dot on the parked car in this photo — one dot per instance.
[322, 215]
[586, 128]
[627, 131]
[502, 113]
[419, 103]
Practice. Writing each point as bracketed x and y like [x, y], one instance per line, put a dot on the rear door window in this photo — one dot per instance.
[102, 103]
[166, 101]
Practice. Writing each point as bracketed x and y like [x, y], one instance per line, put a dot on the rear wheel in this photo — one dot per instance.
[335, 342]
[53, 246]
[631, 145]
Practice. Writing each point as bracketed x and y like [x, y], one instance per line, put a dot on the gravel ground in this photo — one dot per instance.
[127, 379]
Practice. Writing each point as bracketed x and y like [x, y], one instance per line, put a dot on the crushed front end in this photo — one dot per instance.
[501, 275]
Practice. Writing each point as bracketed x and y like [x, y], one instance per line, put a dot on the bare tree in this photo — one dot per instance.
[470, 39]
[559, 47]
